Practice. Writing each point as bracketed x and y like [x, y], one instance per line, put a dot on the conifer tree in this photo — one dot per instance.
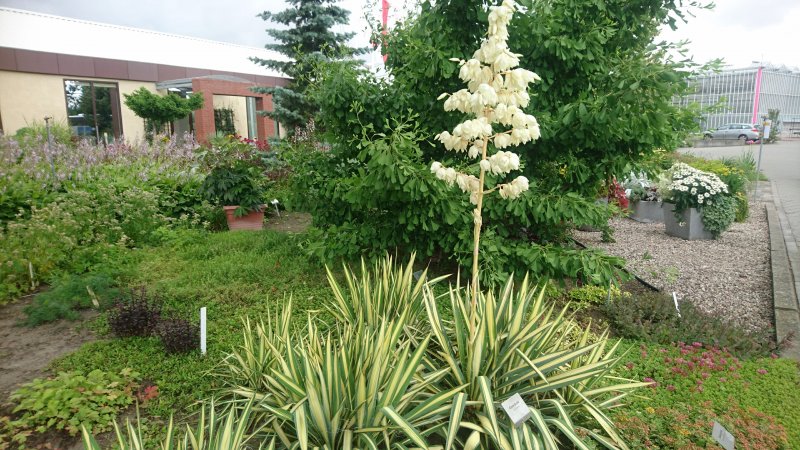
[307, 38]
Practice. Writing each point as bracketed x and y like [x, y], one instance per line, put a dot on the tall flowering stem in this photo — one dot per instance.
[496, 93]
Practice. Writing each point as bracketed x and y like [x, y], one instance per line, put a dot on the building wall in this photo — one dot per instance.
[28, 97]
[736, 89]
[132, 125]
[239, 107]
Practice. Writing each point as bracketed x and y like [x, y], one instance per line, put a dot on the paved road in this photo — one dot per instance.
[781, 163]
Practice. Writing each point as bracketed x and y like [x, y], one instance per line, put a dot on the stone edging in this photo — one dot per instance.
[787, 318]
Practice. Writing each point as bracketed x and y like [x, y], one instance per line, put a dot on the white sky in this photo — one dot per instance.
[740, 31]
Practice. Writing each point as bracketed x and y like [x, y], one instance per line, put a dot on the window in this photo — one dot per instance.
[93, 109]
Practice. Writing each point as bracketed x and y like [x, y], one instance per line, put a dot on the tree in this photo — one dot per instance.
[307, 39]
[604, 104]
[607, 87]
[773, 115]
[158, 110]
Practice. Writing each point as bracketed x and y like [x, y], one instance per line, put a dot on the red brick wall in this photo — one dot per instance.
[204, 117]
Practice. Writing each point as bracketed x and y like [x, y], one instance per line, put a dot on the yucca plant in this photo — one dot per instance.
[362, 387]
[385, 292]
[513, 342]
[227, 432]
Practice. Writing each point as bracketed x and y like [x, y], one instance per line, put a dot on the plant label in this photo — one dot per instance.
[722, 436]
[516, 409]
[203, 330]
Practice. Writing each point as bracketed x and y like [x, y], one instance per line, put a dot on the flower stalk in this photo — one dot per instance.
[496, 94]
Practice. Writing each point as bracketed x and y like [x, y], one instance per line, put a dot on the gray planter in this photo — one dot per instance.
[647, 212]
[690, 227]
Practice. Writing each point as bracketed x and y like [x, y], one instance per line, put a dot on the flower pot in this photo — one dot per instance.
[646, 212]
[254, 220]
[689, 226]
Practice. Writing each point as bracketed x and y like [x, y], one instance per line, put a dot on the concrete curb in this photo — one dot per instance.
[787, 317]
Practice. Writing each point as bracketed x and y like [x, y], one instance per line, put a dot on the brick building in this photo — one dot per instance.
[80, 78]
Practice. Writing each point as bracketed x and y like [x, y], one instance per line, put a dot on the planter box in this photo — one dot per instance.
[691, 227]
[251, 221]
[647, 212]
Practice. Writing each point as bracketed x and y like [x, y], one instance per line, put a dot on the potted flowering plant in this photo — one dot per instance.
[690, 193]
[644, 197]
[235, 181]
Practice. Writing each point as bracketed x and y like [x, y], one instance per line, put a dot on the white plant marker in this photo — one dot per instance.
[723, 437]
[203, 330]
[275, 204]
[675, 299]
[516, 409]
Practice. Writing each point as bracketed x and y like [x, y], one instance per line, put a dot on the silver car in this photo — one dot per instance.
[740, 131]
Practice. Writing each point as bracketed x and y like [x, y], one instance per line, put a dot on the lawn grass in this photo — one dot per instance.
[234, 275]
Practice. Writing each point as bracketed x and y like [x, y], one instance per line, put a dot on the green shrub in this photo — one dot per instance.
[134, 315]
[72, 400]
[377, 195]
[19, 193]
[742, 207]
[719, 216]
[74, 234]
[653, 318]
[590, 295]
[35, 134]
[70, 294]
[236, 174]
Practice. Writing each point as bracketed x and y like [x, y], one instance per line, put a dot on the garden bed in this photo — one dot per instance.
[728, 277]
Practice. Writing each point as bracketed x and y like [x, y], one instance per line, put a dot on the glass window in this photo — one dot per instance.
[93, 109]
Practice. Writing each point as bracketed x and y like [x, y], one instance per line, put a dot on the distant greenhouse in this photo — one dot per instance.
[747, 95]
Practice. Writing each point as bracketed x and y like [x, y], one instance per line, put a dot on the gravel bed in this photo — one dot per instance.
[729, 277]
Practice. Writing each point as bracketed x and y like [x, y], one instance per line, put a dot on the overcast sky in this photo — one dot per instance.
[740, 31]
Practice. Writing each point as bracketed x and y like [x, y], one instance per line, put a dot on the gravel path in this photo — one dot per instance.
[729, 277]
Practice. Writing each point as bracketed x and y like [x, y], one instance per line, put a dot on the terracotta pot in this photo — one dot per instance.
[254, 220]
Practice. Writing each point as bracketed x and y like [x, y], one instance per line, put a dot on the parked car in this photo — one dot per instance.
[740, 131]
[82, 130]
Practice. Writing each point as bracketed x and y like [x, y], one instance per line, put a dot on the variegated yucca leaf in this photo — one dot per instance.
[357, 386]
[231, 431]
[514, 342]
[385, 292]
